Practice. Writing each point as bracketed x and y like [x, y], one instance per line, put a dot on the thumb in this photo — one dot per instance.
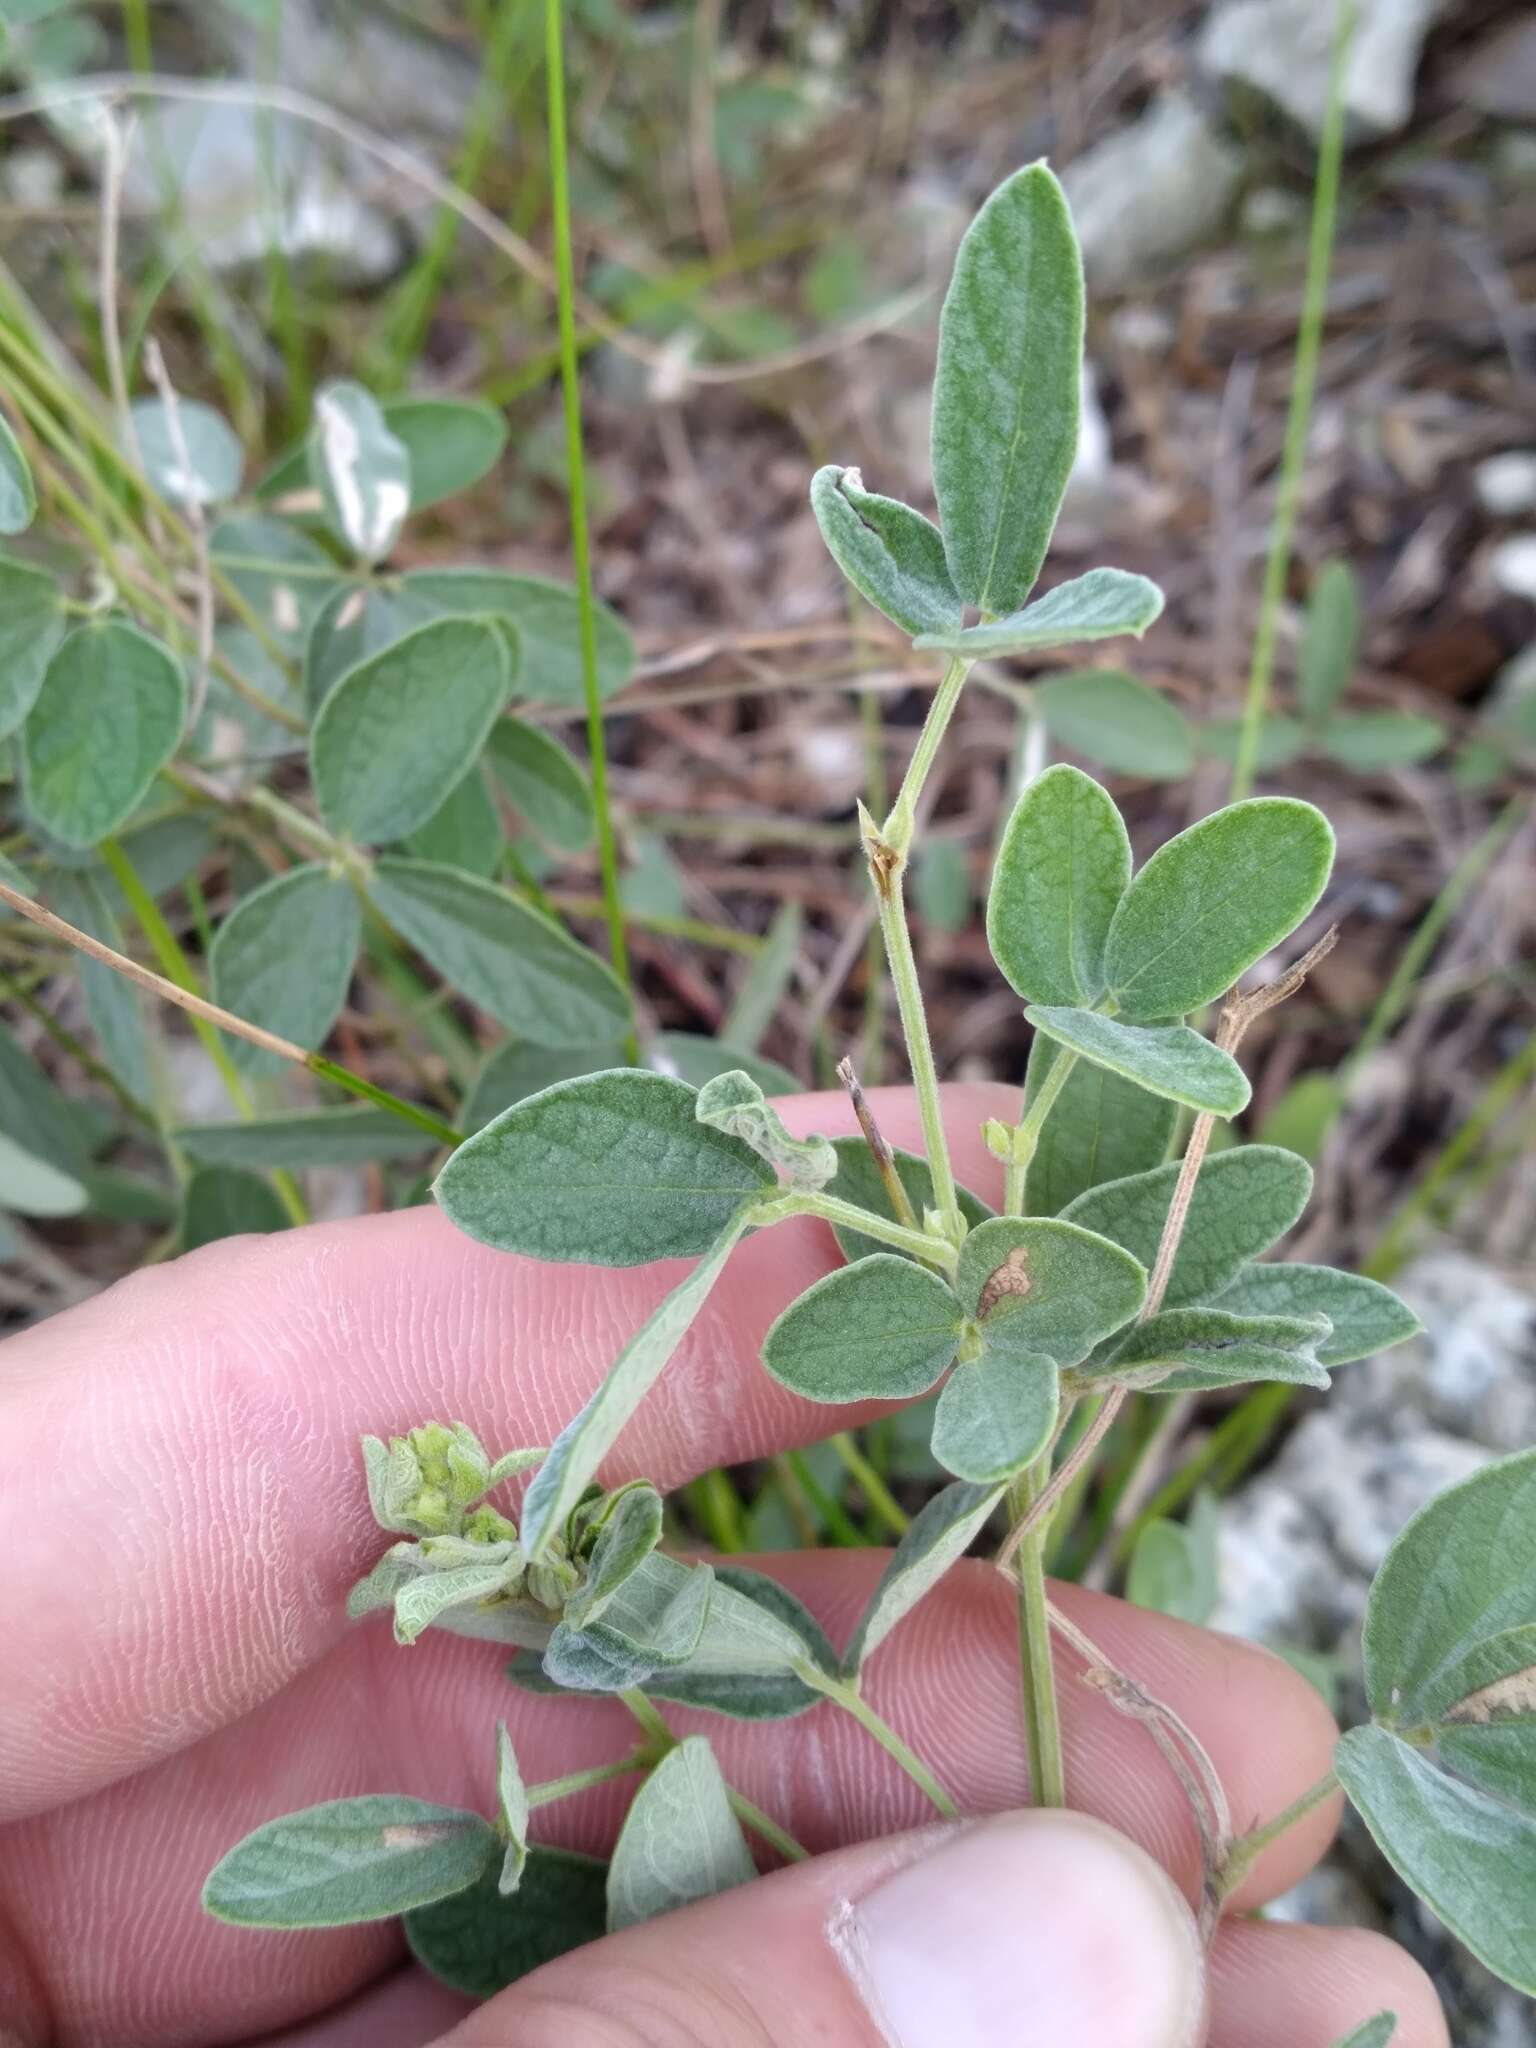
[1046, 1926]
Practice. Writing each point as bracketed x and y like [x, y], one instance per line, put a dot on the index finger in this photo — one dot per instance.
[181, 1495]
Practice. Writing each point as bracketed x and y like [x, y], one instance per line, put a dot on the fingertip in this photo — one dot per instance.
[1275, 1985]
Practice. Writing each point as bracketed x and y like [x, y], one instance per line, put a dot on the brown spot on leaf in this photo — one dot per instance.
[1503, 1700]
[414, 1834]
[1010, 1278]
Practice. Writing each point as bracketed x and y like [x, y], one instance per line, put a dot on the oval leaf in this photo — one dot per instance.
[1164, 1059]
[450, 443]
[883, 1329]
[1214, 900]
[31, 627]
[518, 1069]
[511, 961]
[610, 1170]
[305, 1137]
[106, 720]
[546, 618]
[18, 493]
[1062, 867]
[544, 782]
[347, 1861]
[1366, 1316]
[891, 555]
[355, 622]
[307, 915]
[1372, 742]
[215, 461]
[1186, 1350]
[1006, 395]
[1038, 1284]
[32, 1187]
[400, 731]
[1102, 605]
[464, 831]
[680, 1840]
[478, 1941]
[996, 1415]
[361, 470]
[940, 1533]
[1111, 718]
[1101, 1128]
[1329, 642]
[1243, 1201]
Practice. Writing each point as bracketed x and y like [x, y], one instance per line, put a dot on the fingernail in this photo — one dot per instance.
[1036, 1926]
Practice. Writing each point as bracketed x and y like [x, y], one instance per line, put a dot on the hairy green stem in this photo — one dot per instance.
[1309, 337]
[1042, 1713]
[576, 484]
[914, 1027]
[833, 1209]
[852, 1701]
[1026, 1136]
[902, 820]
[599, 1774]
[1246, 1850]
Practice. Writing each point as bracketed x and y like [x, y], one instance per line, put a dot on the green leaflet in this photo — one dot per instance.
[1186, 1350]
[695, 1059]
[544, 782]
[679, 1842]
[612, 1169]
[768, 976]
[1470, 1856]
[1450, 1661]
[755, 1636]
[882, 1329]
[586, 1440]
[112, 1002]
[941, 1532]
[1122, 724]
[891, 555]
[1006, 395]
[283, 575]
[511, 961]
[1371, 742]
[1212, 901]
[355, 622]
[1040, 1284]
[464, 831]
[226, 1201]
[105, 722]
[36, 1115]
[31, 627]
[1164, 1059]
[30, 1186]
[733, 1103]
[215, 460]
[858, 1181]
[347, 1861]
[630, 1533]
[546, 621]
[1244, 1200]
[307, 915]
[1102, 605]
[305, 1137]
[478, 1942]
[1366, 1316]
[1376, 2033]
[996, 1415]
[361, 470]
[652, 1619]
[512, 1806]
[401, 730]
[18, 493]
[450, 443]
[1329, 642]
[1175, 1565]
[1102, 1128]
[1063, 866]
[518, 1069]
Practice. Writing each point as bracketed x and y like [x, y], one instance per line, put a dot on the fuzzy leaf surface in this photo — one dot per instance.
[628, 1536]
[1112, 718]
[1366, 1316]
[996, 1415]
[508, 959]
[1102, 1128]
[478, 1942]
[1164, 1059]
[679, 1842]
[544, 781]
[105, 721]
[307, 915]
[465, 831]
[1104, 604]
[31, 627]
[546, 621]
[355, 622]
[518, 1068]
[1244, 1200]
[733, 1103]
[1187, 1350]
[891, 555]
[858, 1180]
[1006, 395]
[1041, 1284]
[1063, 865]
[347, 1861]
[940, 1533]
[18, 493]
[361, 470]
[450, 443]
[401, 730]
[1214, 900]
[882, 1329]
[611, 1169]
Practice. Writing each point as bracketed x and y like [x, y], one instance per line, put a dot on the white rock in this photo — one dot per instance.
[1148, 192]
[1271, 210]
[1506, 483]
[1512, 566]
[1283, 49]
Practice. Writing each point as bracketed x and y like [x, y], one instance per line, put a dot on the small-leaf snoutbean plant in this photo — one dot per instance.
[1121, 1260]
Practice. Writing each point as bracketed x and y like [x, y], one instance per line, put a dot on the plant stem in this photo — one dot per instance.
[852, 1701]
[1026, 1137]
[570, 389]
[1246, 1850]
[882, 1503]
[1042, 1716]
[1309, 335]
[583, 1781]
[898, 827]
[833, 1209]
[914, 1027]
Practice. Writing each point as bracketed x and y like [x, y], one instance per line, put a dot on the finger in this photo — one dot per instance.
[200, 1512]
[952, 1939]
[112, 1884]
[1275, 1986]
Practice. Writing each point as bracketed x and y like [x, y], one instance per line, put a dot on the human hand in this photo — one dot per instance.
[182, 1511]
